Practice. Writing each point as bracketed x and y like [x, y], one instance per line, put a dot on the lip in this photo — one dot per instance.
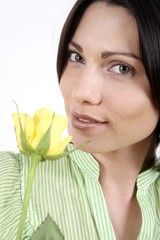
[82, 121]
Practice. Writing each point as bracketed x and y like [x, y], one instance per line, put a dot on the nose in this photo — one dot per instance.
[88, 87]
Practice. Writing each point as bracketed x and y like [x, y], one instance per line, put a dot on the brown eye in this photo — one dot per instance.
[121, 69]
[75, 57]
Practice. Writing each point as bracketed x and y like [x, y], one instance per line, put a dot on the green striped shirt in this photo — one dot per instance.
[68, 189]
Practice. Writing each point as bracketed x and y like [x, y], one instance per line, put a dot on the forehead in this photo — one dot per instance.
[108, 25]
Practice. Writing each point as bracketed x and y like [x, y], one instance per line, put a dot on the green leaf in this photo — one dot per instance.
[27, 150]
[44, 143]
[48, 230]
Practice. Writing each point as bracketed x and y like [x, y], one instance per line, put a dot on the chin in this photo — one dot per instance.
[84, 139]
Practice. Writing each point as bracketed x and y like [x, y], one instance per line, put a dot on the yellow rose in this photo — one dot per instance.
[41, 134]
[40, 138]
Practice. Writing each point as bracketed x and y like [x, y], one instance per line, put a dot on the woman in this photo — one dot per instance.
[108, 67]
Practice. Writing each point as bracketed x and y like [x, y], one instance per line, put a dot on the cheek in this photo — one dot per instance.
[134, 101]
[140, 118]
[134, 109]
[66, 89]
[64, 86]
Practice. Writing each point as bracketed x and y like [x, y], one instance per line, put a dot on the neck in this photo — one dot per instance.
[119, 173]
[119, 169]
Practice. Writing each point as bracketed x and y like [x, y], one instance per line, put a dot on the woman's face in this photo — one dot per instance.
[104, 85]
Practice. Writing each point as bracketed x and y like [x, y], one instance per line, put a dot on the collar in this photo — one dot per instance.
[87, 163]
[146, 178]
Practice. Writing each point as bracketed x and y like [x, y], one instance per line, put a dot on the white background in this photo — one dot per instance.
[29, 34]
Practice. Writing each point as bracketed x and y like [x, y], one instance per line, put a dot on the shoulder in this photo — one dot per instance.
[10, 192]
[9, 163]
[158, 182]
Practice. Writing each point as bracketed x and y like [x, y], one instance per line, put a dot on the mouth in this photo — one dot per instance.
[79, 121]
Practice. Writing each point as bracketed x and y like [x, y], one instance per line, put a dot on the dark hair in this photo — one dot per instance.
[147, 15]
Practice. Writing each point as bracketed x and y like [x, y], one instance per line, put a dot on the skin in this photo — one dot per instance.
[108, 101]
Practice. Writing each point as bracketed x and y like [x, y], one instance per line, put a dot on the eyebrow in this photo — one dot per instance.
[77, 46]
[107, 54]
